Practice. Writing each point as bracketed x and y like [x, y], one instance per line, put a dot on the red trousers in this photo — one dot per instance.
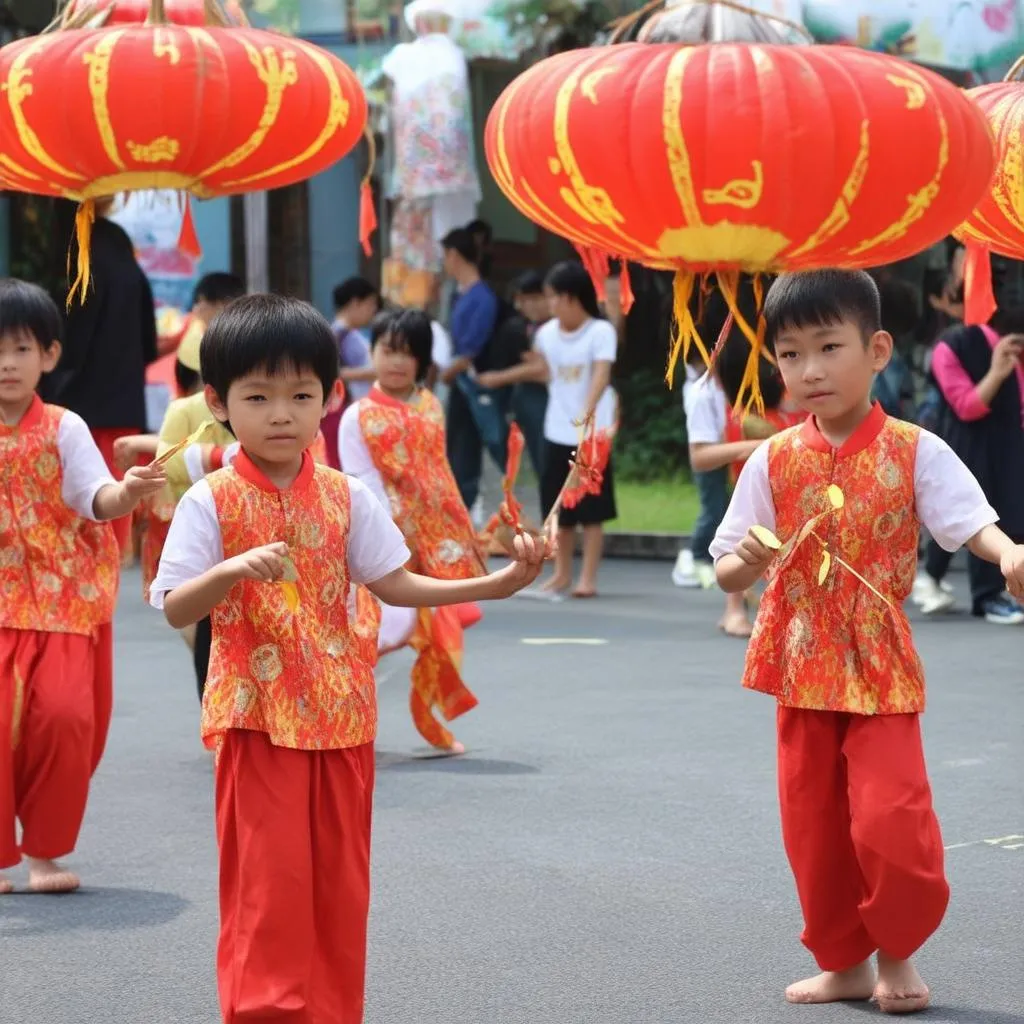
[55, 704]
[294, 833]
[860, 833]
[105, 438]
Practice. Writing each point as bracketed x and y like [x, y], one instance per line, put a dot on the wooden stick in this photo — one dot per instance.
[850, 569]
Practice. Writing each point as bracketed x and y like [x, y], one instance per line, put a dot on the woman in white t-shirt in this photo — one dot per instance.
[573, 353]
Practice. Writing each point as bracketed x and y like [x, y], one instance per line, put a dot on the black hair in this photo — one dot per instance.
[354, 289]
[571, 278]
[407, 330]
[1008, 320]
[461, 241]
[27, 309]
[900, 304]
[218, 287]
[481, 227]
[820, 298]
[270, 333]
[185, 377]
[530, 283]
[732, 365]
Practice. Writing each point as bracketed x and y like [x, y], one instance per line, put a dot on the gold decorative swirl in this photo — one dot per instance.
[914, 90]
[742, 192]
[157, 151]
[1008, 186]
[18, 88]
[588, 87]
[839, 216]
[276, 70]
[675, 145]
[919, 201]
[165, 46]
[591, 203]
[337, 116]
[98, 62]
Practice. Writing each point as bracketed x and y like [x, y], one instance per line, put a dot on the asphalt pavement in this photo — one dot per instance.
[607, 853]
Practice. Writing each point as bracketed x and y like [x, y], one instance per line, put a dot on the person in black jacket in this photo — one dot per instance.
[110, 338]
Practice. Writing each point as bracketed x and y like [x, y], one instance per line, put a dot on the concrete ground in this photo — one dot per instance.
[608, 853]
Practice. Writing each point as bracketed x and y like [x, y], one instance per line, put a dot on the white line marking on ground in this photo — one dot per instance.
[963, 762]
[552, 641]
[1014, 842]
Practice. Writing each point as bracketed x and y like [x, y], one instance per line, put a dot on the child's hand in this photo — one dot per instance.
[265, 564]
[141, 481]
[126, 452]
[529, 555]
[753, 551]
[1012, 566]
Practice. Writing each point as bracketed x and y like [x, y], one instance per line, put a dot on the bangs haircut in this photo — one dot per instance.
[268, 333]
[822, 298]
[27, 309]
[412, 332]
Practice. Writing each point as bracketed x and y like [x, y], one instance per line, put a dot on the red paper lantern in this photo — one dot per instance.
[997, 223]
[733, 157]
[210, 110]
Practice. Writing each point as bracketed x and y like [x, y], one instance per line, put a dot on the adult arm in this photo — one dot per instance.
[706, 457]
[533, 369]
[969, 401]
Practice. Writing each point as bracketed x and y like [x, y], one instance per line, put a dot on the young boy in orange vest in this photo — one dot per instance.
[59, 565]
[835, 650]
[274, 549]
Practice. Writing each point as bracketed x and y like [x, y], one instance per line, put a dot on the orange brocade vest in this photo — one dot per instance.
[300, 672]
[406, 443]
[58, 571]
[837, 646]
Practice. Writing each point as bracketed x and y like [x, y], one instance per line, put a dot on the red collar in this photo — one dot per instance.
[867, 430]
[32, 418]
[247, 470]
[396, 403]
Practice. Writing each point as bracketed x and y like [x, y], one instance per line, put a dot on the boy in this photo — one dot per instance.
[272, 548]
[393, 441]
[58, 585]
[857, 819]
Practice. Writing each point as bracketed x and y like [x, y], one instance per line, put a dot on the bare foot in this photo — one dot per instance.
[835, 986]
[6, 886]
[48, 876]
[737, 624]
[555, 585]
[900, 988]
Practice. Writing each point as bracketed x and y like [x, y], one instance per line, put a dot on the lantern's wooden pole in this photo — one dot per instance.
[214, 14]
[1014, 73]
[157, 13]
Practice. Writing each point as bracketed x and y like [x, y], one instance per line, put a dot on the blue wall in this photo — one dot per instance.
[212, 218]
[334, 229]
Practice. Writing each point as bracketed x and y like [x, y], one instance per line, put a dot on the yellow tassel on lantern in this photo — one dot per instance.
[84, 220]
[684, 331]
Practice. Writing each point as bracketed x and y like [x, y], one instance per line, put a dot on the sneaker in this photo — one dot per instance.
[477, 513]
[925, 587]
[1001, 611]
[931, 597]
[706, 575]
[684, 572]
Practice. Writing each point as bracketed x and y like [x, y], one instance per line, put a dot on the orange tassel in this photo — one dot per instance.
[188, 240]
[367, 217]
[626, 296]
[367, 206]
[979, 297]
[84, 220]
[596, 264]
[684, 331]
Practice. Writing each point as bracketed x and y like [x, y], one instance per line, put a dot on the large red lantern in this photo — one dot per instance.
[206, 109]
[729, 158]
[997, 223]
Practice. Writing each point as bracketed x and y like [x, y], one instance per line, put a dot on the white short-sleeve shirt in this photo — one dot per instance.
[194, 545]
[705, 407]
[949, 501]
[84, 473]
[570, 356]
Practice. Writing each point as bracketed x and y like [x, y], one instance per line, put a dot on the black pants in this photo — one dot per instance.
[201, 654]
[986, 579]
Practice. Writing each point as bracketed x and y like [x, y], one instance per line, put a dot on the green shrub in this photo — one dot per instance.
[651, 443]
